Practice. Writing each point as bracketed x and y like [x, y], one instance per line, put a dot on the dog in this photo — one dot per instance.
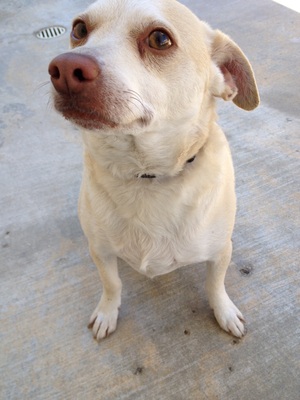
[141, 81]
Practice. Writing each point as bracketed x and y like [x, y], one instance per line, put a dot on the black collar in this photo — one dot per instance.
[147, 176]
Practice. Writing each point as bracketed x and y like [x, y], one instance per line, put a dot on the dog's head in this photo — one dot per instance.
[147, 66]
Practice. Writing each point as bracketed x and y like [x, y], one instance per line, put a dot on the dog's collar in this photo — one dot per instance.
[148, 176]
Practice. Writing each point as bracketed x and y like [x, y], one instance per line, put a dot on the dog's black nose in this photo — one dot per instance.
[70, 72]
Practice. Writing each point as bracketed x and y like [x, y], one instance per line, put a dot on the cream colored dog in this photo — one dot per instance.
[158, 182]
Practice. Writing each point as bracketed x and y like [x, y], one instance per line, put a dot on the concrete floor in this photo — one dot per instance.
[168, 345]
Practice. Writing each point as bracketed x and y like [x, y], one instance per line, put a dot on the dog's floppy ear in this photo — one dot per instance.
[234, 78]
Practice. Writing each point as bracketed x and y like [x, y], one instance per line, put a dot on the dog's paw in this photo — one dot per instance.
[103, 321]
[230, 318]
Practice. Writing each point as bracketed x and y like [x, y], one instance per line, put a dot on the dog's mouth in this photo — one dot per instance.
[87, 117]
[84, 116]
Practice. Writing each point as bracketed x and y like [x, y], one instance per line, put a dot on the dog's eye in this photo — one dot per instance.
[159, 40]
[79, 31]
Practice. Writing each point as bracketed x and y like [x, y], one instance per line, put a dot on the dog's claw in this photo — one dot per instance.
[91, 323]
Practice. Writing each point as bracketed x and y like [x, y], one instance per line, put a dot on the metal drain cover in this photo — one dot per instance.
[50, 32]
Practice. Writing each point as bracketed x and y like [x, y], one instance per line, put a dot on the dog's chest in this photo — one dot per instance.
[153, 252]
[156, 235]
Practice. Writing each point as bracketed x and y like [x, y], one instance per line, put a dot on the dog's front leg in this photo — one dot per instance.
[104, 319]
[227, 314]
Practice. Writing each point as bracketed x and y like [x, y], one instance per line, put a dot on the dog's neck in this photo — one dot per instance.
[130, 158]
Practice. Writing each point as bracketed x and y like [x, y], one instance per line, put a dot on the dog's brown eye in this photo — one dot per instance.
[79, 31]
[159, 40]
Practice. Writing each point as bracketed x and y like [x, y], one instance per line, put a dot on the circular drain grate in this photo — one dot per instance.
[51, 32]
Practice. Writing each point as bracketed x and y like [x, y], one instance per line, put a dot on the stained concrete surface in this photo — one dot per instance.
[168, 345]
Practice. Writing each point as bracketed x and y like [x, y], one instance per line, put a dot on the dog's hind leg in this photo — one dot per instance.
[227, 314]
[103, 321]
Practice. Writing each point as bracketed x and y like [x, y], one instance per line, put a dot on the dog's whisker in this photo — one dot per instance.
[139, 101]
[134, 103]
[49, 104]
[136, 96]
[129, 108]
[41, 86]
[134, 93]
